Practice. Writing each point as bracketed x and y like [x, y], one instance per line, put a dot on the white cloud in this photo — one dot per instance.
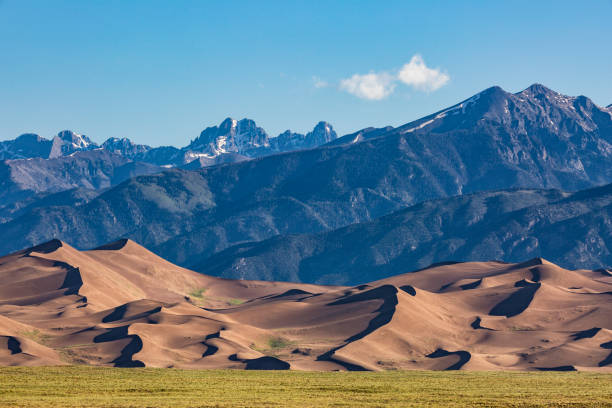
[369, 86]
[319, 83]
[421, 77]
[377, 86]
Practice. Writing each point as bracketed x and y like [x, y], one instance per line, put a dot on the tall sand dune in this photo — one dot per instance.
[121, 305]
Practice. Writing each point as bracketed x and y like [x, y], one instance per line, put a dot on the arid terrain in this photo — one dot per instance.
[121, 305]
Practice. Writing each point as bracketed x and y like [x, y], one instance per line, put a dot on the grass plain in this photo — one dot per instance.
[75, 386]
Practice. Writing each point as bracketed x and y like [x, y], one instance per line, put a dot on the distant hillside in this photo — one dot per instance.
[573, 230]
[93, 169]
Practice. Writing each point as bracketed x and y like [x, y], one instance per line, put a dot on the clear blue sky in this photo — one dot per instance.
[159, 72]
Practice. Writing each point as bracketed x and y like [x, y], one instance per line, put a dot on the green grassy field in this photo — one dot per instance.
[112, 387]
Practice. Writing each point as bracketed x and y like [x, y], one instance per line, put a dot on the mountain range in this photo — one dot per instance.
[314, 184]
[237, 138]
[32, 167]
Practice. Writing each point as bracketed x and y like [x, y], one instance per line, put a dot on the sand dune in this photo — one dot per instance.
[121, 305]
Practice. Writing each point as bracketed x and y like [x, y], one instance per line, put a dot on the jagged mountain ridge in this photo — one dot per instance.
[232, 137]
[125, 147]
[192, 215]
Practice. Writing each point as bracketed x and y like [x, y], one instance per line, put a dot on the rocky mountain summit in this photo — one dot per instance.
[67, 142]
[125, 147]
[231, 136]
[323, 133]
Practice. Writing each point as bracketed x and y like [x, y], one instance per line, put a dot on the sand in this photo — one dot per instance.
[121, 305]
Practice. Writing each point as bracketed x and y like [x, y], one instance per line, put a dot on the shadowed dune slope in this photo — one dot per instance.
[121, 305]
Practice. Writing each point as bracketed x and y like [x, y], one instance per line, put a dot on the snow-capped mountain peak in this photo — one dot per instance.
[231, 136]
[67, 142]
[536, 103]
[77, 141]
